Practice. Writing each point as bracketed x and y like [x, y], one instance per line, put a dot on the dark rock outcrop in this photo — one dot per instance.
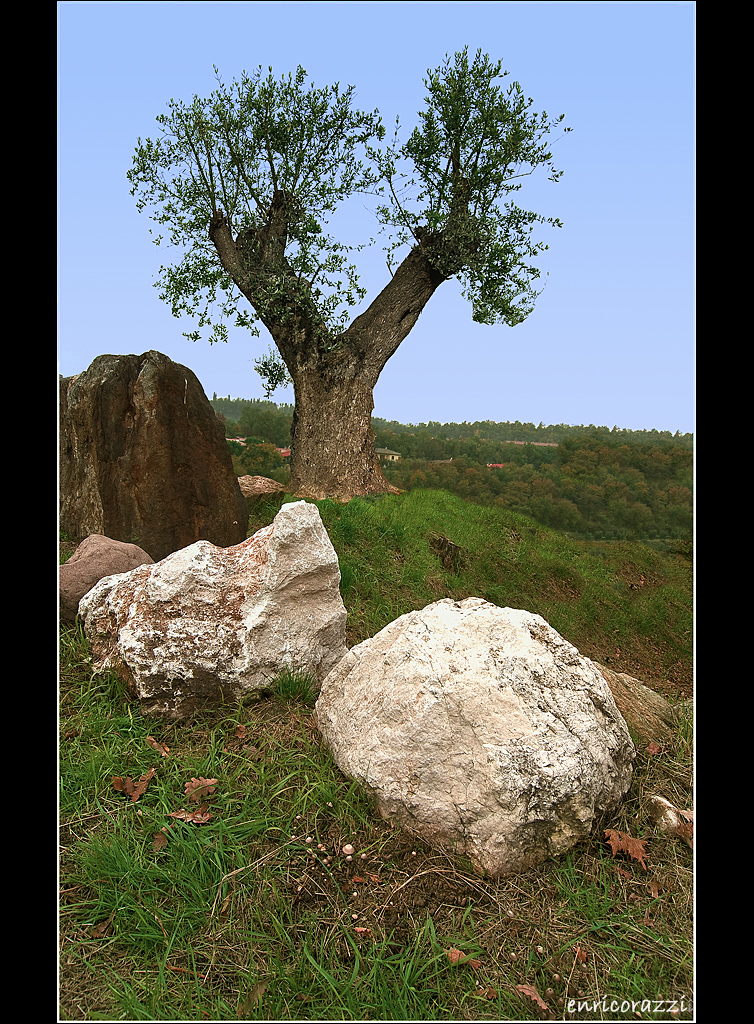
[143, 458]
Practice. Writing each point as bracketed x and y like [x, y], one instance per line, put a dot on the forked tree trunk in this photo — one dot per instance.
[332, 441]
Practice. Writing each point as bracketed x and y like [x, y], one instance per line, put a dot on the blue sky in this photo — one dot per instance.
[611, 340]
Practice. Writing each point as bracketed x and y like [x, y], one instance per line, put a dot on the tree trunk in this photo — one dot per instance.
[332, 441]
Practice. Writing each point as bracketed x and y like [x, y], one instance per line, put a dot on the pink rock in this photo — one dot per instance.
[95, 558]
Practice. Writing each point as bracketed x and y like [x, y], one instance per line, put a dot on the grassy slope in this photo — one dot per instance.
[256, 913]
[621, 604]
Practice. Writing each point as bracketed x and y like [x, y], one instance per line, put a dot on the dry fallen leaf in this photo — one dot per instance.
[686, 831]
[131, 788]
[198, 817]
[102, 928]
[237, 739]
[670, 818]
[652, 748]
[456, 956]
[531, 993]
[581, 954]
[160, 842]
[161, 748]
[253, 998]
[198, 789]
[621, 842]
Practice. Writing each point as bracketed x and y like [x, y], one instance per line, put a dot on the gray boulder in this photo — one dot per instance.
[208, 624]
[480, 730]
[143, 457]
[94, 558]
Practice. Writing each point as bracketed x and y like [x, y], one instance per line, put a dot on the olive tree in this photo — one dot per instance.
[244, 184]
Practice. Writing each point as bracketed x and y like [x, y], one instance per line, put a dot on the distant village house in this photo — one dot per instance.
[387, 454]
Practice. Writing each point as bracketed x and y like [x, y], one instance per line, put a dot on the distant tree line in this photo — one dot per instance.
[255, 417]
[430, 440]
[598, 483]
[517, 431]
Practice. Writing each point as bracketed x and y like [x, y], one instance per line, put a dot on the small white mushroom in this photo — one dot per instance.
[348, 849]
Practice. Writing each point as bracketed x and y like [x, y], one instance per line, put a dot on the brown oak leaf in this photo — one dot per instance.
[531, 993]
[198, 789]
[131, 788]
[103, 928]
[198, 817]
[456, 956]
[621, 842]
[160, 841]
[685, 829]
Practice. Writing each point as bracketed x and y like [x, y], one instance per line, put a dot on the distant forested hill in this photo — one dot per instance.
[255, 418]
[517, 431]
[591, 482]
[588, 486]
[234, 410]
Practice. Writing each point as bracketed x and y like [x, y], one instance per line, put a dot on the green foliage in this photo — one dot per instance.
[235, 152]
[525, 432]
[265, 421]
[276, 158]
[257, 459]
[474, 142]
[590, 487]
[273, 371]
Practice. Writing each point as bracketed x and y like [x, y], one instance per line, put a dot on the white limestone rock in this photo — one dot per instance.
[480, 730]
[207, 624]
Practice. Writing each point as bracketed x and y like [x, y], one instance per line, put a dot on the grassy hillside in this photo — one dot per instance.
[258, 911]
[622, 604]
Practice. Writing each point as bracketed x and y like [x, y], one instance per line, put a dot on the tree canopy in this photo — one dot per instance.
[245, 182]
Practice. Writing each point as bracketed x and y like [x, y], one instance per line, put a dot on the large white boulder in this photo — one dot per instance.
[208, 623]
[480, 730]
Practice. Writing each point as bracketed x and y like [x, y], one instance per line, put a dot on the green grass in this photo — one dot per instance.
[622, 604]
[256, 913]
